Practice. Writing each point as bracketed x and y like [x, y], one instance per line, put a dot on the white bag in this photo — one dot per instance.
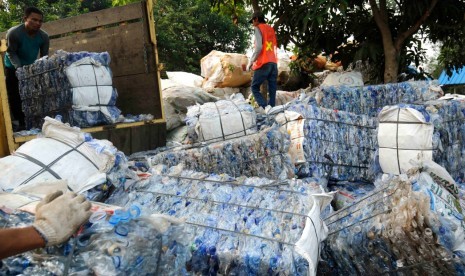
[65, 156]
[176, 100]
[293, 123]
[186, 79]
[343, 78]
[403, 135]
[315, 231]
[92, 95]
[224, 70]
[88, 72]
[226, 126]
[224, 119]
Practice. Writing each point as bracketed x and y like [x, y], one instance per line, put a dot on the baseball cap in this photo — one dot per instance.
[256, 14]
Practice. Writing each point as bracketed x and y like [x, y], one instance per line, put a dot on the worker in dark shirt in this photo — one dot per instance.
[24, 44]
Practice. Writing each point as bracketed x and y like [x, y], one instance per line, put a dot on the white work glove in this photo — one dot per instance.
[59, 215]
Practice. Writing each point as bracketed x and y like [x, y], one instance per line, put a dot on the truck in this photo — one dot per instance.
[127, 33]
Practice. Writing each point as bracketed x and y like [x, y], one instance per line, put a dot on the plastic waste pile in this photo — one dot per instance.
[77, 86]
[325, 140]
[448, 137]
[250, 226]
[369, 99]
[263, 154]
[119, 242]
[221, 120]
[410, 225]
[349, 192]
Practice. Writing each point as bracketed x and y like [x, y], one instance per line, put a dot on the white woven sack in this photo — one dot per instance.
[403, 135]
[88, 72]
[92, 95]
[62, 154]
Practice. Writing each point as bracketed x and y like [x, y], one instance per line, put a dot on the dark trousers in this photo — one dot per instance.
[12, 87]
[268, 72]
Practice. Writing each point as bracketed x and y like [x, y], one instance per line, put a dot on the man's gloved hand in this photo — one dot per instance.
[59, 215]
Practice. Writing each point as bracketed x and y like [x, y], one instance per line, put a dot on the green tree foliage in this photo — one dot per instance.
[11, 11]
[122, 2]
[188, 30]
[387, 32]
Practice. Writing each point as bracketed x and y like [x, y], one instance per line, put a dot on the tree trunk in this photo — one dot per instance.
[393, 47]
[391, 66]
[255, 5]
[391, 63]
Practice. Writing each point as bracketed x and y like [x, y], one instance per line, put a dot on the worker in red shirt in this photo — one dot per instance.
[264, 59]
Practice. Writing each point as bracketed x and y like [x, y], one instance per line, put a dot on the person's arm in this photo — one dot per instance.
[12, 49]
[258, 47]
[58, 216]
[46, 45]
[17, 240]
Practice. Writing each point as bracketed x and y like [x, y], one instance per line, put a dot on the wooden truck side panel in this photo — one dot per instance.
[128, 34]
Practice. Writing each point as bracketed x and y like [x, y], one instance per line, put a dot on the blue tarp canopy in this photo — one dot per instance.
[458, 77]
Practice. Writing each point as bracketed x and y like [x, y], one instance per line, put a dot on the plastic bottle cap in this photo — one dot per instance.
[114, 248]
[122, 230]
[114, 219]
[97, 216]
[123, 215]
[134, 211]
[116, 261]
[83, 239]
[121, 241]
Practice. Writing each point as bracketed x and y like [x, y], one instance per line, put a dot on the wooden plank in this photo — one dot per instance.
[138, 94]
[121, 139]
[125, 44]
[148, 137]
[22, 139]
[158, 135]
[140, 138]
[6, 128]
[153, 38]
[94, 19]
[2, 45]
[104, 134]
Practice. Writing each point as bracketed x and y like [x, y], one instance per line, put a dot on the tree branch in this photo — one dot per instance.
[255, 5]
[380, 20]
[281, 18]
[409, 32]
[383, 10]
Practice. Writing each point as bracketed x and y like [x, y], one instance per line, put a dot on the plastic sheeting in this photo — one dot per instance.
[177, 98]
